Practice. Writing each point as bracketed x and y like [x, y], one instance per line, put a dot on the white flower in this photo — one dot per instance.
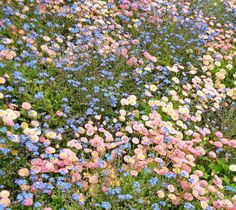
[232, 168]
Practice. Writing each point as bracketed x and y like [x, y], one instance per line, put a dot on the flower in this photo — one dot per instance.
[28, 202]
[4, 194]
[5, 201]
[93, 179]
[204, 204]
[153, 88]
[26, 106]
[160, 194]
[2, 80]
[23, 172]
[232, 168]
[106, 205]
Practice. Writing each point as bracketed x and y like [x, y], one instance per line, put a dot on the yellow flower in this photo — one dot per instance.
[175, 116]
[168, 124]
[14, 152]
[136, 113]
[199, 93]
[23, 172]
[204, 204]
[44, 47]
[24, 125]
[153, 88]
[232, 93]
[51, 135]
[117, 183]
[172, 196]
[179, 135]
[151, 103]
[176, 80]
[157, 102]
[139, 71]
[2, 113]
[35, 138]
[132, 102]
[170, 112]
[176, 170]
[122, 118]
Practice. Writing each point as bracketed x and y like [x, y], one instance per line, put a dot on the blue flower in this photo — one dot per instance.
[75, 197]
[39, 95]
[37, 204]
[189, 206]
[153, 181]
[106, 205]
[155, 206]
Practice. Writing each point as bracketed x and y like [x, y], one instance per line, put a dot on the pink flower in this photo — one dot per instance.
[125, 139]
[234, 206]
[224, 141]
[12, 106]
[61, 164]
[188, 196]
[198, 173]
[218, 144]
[232, 143]
[104, 189]
[90, 132]
[5, 202]
[135, 140]
[49, 166]
[200, 190]
[26, 106]
[34, 123]
[206, 130]
[2, 80]
[150, 57]
[78, 146]
[8, 121]
[50, 150]
[134, 7]
[185, 185]
[4, 194]
[218, 204]
[212, 154]
[124, 52]
[59, 113]
[84, 139]
[28, 202]
[218, 134]
[203, 183]
[186, 167]
[93, 179]
[160, 194]
[218, 182]
[135, 41]
[132, 61]
[71, 143]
